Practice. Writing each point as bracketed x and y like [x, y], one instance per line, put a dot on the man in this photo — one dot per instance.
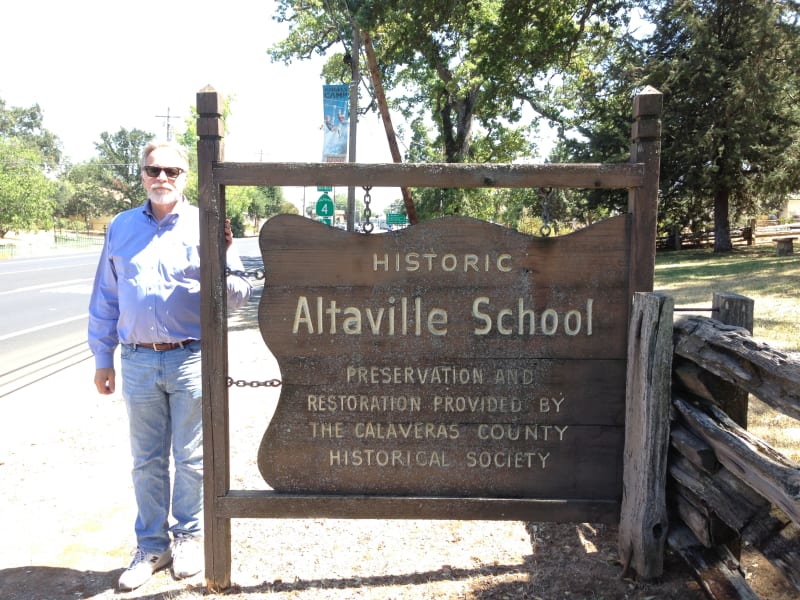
[146, 297]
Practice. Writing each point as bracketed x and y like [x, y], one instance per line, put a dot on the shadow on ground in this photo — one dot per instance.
[38, 582]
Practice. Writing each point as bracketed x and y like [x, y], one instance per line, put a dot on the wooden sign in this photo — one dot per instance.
[452, 358]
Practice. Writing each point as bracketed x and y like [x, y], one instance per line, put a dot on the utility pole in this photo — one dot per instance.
[354, 81]
[168, 117]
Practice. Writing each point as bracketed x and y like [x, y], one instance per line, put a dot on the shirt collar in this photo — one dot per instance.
[180, 207]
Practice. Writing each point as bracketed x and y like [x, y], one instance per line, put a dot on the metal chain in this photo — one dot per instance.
[257, 274]
[367, 227]
[253, 384]
[546, 229]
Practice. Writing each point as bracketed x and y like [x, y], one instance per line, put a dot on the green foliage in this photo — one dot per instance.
[461, 73]
[119, 154]
[237, 225]
[728, 71]
[25, 125]
[91, 193]
[25, 191]
[28, 153]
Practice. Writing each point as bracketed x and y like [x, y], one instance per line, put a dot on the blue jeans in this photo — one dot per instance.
[163, 396]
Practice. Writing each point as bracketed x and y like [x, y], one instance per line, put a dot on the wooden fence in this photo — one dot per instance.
[726, 488]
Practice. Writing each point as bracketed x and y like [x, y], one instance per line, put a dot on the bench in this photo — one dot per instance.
[785, 245]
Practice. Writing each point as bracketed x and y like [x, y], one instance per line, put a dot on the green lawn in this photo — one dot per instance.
[692, 276]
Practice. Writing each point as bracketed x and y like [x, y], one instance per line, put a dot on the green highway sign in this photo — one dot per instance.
[324, 188]
[325, 206]
[396, 219]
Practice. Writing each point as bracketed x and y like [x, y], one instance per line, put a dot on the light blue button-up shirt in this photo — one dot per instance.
[147, 286]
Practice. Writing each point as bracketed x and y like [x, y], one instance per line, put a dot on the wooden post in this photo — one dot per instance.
[214, 326]
[643, 200]
[643, 517]
[732, 309]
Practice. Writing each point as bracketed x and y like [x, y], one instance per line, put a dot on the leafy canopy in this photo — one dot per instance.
[462, 73]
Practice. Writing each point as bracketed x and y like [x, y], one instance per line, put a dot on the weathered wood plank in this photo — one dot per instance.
[765, 525]
[643, 199]
[732, 309]
[693, 449]
[778, 539]
[730, 353]
[214, 341]
[715, 569]
[268, 504]
[724, 495]
[591, 176]
[704, 524]
[643, 520]
[760, 466]
[393, 383]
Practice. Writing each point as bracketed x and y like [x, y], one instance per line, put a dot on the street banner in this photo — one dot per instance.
[336, 115]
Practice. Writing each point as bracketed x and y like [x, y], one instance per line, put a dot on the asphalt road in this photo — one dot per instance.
[44, 302]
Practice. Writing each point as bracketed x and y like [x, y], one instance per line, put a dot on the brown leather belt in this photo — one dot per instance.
[163, 346]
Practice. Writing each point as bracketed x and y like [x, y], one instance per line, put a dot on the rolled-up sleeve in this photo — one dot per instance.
[239, 288]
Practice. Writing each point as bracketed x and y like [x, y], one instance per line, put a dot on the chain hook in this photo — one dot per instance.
[546, 194]
[368, 226]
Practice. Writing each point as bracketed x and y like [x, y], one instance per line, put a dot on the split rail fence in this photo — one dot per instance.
[725, 487]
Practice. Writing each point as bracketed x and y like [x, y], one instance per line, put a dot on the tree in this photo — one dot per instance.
[88, 193]
[25, 191]
[119, 154]
[728, 71]
[266, 202]
[25, 125]
[469, 67]
[239, 201]
[591, 112]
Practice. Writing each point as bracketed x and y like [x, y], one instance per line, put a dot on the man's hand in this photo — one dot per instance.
[104, 380]
[228, 234]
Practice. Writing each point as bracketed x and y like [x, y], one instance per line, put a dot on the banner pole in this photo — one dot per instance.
[351, 154]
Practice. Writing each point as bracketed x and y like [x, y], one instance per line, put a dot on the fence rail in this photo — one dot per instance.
[726, 487]
[47, 242]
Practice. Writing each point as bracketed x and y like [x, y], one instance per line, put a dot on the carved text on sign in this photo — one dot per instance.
[452, 358]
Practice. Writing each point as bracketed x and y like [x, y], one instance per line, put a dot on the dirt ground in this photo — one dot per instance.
[66, 517]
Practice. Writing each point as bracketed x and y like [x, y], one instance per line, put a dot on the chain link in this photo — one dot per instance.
[254, 384]
[367, 227]
[546, 229]
[257, 274]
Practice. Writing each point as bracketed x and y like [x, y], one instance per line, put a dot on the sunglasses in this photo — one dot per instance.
[170, 172]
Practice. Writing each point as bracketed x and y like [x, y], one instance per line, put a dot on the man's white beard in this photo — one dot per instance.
[162, 197]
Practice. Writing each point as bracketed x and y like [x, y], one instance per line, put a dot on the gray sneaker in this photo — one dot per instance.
[188, 557]
[143, 565]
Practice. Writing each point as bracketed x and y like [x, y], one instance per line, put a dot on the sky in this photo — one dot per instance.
[94, 66]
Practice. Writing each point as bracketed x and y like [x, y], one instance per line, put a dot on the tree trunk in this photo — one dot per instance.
[722, 226]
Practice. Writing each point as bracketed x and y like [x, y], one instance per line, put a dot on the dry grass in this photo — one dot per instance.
[691, 277]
